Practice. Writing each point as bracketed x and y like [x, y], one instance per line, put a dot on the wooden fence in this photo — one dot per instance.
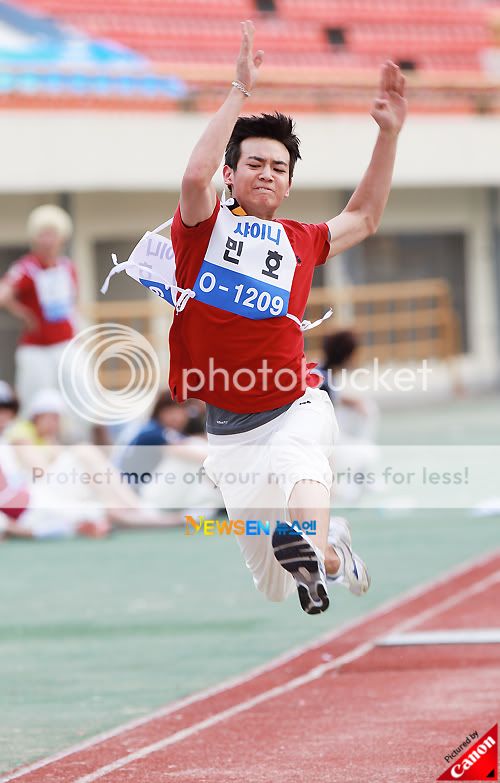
[397, 322]
[403, 321]
[150, 317]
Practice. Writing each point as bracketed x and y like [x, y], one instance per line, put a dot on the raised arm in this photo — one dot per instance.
[197, 190]
[363, 213]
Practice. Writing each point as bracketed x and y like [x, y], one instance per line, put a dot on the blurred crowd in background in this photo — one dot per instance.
[41, 435]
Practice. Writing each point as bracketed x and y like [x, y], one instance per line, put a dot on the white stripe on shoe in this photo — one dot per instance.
[353, 573]
[293, 550]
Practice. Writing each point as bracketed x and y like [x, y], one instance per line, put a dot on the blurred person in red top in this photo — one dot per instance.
[14, 497]
[41, 289]
[54, 490]
[9, 406]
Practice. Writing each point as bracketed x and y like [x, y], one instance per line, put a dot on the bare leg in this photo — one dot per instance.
[311, 500]
[144, 519]
[17, 531]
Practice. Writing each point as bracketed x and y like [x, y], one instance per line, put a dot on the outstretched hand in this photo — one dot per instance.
[248, 64]
[390, 106]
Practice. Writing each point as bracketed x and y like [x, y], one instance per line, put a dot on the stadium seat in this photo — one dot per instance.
[431, 32]
[200, 36]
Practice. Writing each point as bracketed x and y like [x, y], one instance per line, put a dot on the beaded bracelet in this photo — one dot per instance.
[241, 86]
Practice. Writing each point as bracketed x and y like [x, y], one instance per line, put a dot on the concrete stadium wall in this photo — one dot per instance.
[87, 151]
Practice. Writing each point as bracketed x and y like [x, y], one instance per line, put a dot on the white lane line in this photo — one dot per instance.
[451, 636]
[279, 690]
[329, 636]
[450, 602]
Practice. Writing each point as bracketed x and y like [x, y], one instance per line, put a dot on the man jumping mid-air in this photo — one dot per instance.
[270, 431]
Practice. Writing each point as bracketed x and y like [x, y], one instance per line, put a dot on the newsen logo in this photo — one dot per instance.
[478, 763]
[247, 527]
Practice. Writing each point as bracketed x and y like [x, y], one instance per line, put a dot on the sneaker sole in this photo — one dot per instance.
[298, 557]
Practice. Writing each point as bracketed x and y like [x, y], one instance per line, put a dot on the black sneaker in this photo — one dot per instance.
[294, 551]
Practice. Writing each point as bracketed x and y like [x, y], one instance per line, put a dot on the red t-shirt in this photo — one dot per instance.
[21, 275]
[202, 332]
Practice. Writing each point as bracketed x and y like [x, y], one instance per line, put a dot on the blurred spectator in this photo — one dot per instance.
[14, 496]
[68, 506]
[41, 290]
[163, 463]
[9, 406]
[341, 351]
[42, 426]
[14, 500]
[165, 427]
[197, 417]
[21, 503]
[357, 417]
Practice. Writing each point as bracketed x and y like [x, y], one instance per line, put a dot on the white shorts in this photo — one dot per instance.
[37, 367]
[257, 470]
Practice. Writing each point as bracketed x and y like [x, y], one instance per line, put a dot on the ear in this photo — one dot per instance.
[228, 174]
[287, 191]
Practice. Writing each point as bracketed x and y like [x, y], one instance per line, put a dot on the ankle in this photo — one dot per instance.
[332, 561]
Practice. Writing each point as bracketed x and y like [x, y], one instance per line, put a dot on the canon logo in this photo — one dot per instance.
[459, 769]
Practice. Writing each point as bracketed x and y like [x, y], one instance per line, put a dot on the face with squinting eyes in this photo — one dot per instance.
[261, 180]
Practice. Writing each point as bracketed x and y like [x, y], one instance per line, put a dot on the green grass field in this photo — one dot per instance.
[95, 633]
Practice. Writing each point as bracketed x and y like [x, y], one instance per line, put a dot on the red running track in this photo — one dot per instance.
[343, 710]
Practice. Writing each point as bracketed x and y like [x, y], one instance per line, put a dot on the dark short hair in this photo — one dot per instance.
[10, 405]
[268, 126]
[339, 347]
[164, 401]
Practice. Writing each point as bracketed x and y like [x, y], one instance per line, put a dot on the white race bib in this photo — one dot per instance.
[248, 267]
[55, 291]
[152, 264]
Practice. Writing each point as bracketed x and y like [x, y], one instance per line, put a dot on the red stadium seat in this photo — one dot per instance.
[201, 36]
[444, 34]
